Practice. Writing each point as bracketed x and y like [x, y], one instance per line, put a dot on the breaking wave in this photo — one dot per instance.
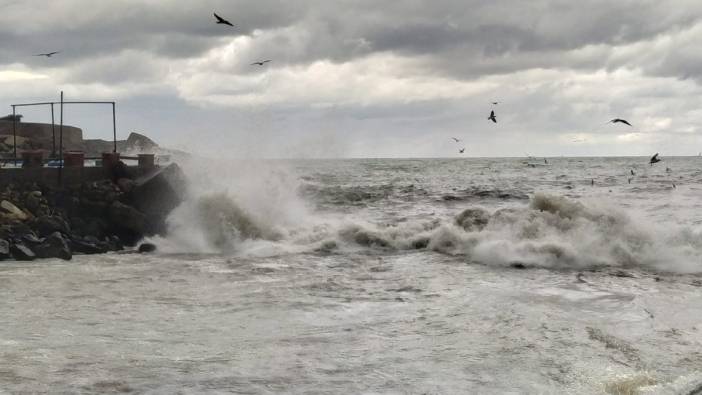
[260, 207]
[550, 232]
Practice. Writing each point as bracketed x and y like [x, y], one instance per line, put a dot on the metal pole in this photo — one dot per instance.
[61, 141]
[114, 128]
[53, 133]
[14, 132]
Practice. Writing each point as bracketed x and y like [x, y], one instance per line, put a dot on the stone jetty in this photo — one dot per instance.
[40, 220]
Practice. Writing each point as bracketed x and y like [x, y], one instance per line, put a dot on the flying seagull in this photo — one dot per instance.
[492, 117]
[632, 172]
[460, 151]
[261, 63]
[654, 159]
[457, 140]
[48, 54]
[494, 103]
[222, 21]
[615, 120]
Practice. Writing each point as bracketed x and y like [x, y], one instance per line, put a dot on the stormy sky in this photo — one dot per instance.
[367, 78]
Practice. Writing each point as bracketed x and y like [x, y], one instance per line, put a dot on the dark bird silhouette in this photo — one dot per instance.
[261, 63]
[616, 120]
[492, 117]
[460, 151]
[222, 21]
[632, 172]
[630, 180]
[592, 182]
[668, 170]
[545, 161]
[654, 159]
[495, 103]
[457, 140]
[674, 186]
[48, 54]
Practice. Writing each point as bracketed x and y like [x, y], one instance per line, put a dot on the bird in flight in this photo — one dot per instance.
[460, 151]
[492, 117]
[632, 172]
[261, 63]
[222, 21]
[494, 103]
[654, 159]
[457, 140]
[615, 120]
[48, 54]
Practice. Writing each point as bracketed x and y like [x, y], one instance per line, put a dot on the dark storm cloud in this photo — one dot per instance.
[502, 34]
[407, 68]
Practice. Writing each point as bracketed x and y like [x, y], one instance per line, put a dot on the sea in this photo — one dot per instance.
[382, 276]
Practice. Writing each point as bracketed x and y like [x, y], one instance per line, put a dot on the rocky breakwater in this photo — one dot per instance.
[37, 221]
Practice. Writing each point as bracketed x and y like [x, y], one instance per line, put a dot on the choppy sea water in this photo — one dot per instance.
[383, 276]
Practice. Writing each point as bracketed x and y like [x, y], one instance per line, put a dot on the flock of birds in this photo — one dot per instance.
[493, 117]
[218, 20]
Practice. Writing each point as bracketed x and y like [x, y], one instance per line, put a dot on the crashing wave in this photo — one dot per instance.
[551, 232]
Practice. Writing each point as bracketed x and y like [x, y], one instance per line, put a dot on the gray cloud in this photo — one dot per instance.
[401, 68]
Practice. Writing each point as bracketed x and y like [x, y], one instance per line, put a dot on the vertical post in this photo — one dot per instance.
[61, 141]
[114, 128]
[14, 132]
[53, 133]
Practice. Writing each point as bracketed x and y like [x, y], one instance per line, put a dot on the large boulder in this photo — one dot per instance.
[157, 194]
[21, 252]
[48, 224]
[54, 246]
[5, 249]
[11, 212]
[127, 217]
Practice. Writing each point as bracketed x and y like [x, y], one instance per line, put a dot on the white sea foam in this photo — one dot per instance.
[238, 207]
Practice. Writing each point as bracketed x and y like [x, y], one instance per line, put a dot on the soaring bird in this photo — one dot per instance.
[457, 140]
[615, 120]
[261, 63]
[48, 55]
[222, 21]
[494, 103]
[460, 151]
[492, 117]
[632, 172]
[654, 159]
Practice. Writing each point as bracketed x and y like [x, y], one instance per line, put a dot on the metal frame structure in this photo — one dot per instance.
[53, 125]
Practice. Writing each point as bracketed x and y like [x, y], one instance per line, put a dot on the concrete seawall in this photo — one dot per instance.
[51, 176]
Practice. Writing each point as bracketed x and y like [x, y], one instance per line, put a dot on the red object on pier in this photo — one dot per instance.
[74, 159]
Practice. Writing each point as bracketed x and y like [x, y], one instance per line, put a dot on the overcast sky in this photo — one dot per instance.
[367, 78]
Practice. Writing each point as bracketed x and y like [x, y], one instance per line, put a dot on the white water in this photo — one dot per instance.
[365, 277]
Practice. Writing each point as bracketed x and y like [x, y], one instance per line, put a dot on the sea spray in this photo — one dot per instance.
[229, 202]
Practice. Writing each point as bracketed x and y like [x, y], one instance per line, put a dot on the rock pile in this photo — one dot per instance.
[92, 218]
